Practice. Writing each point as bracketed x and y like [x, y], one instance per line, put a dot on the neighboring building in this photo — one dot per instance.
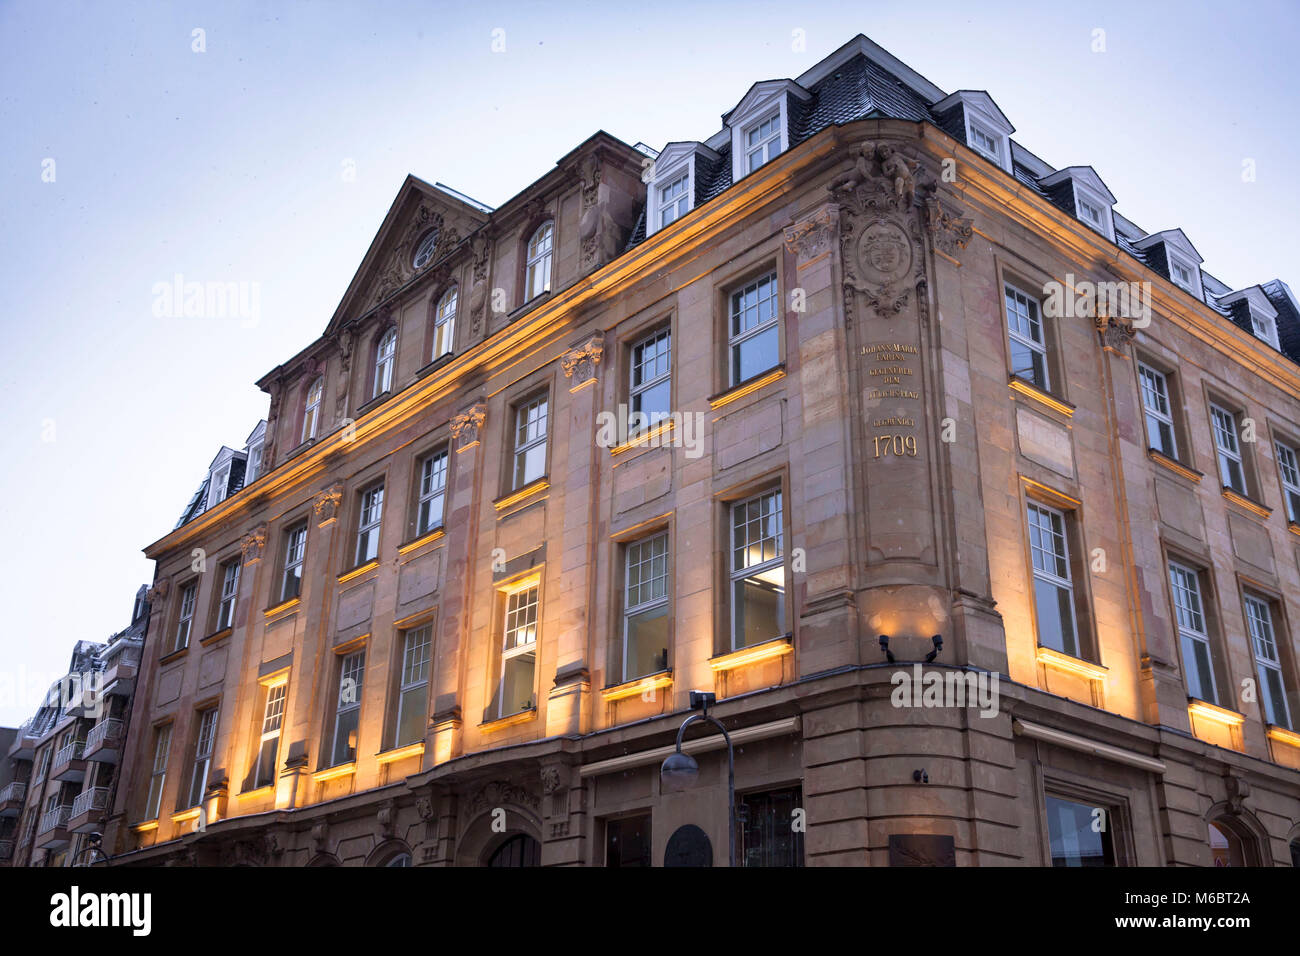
[456, 617]
[61, 765]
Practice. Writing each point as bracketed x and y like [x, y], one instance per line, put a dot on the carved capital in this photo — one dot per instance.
[326, 504]
[1115, 333]
[465, 427]
[948, 232]
[811, 237]
[252, 544]
[580, 363]
[157, 594]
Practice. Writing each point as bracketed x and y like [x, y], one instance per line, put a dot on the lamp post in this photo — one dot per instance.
[680, 771]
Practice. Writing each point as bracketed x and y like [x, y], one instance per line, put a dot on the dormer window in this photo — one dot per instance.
[1180, 273]
[1264, 327]
[254, 467]
[1251, 303]
[985, 143]
[220, 481]
[1081, 189]
[1091, 214]
[986, 128]
[424, 251]
[1181, 258]
[762, 141]
[674, 200]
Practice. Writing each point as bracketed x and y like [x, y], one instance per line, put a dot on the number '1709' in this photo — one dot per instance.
[895, 444]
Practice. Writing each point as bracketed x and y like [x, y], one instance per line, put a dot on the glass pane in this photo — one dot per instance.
[1054, 605]
[759, 607]
[1079, 834]
[410, 721]
[767, 833]
[647, 643]
[627, 842]
[517, 683]
[755, 355]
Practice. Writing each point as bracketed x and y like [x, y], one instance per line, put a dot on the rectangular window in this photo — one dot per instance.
[627, 841]
[768, 836]
[413, 692]
[1074, 834]
[1028, 346]
[433, 492]
[347, 713]
[254, 464]
[202, 756]
[1181, 274]
[1053, 589]
[673, 200]
[269, 747]
[1290, 469]
[757, 570]
[162, 739]
[368, 521]
[1089, 213]
[1193, 636]
[985, 144]
[186, 619]
[1231, 471]
[518, 653]
[650, 388]
[217, 493]
[753, 336]
[229, 593]
[762, 142]
[530, 442]
[645, 607]
[1272, 688]
[295, 544]
[1159, 417]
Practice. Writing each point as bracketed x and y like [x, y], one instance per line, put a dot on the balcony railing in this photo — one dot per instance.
[89, 800]
[71, 752]
[16, 791]
[106, 731]
[53, 819]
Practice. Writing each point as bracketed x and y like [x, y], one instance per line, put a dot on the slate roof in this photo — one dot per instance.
[198, 503]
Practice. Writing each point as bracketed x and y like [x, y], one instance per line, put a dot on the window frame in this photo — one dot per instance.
[680, 202]
[287, 565]
[735, 340]
[351, 666]
[1290, 485]
[162, 741]
[542, 260]
[228, 599]
[507, 654]
[418, 526]
[1011, 289]
[275, 695]
[1276, 664]
[186, 604]
[253, 468]
[203, 749]
[1235, 453]
[311, 410]
[369, 525]
[519, 450]
[775, 115]
[737, 575]
[636, 391]
[406, 686]
[627, 610]
[384, 367]
[1167, 415]
[444, 317]
[423, 245]
[1189, 634]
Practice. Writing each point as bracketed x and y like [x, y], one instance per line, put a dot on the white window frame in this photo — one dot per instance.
[444, 323]
[229, 595]
[1227, 447]
[425, 250]
[539, 261]
[203, 741]
[1189, 618]
[158, 772]
[1154, 384]
[352, 667]
[778, 136]
[679, 204]
[758, 110]
[295, 551]
[1288, 466]
[273, 708]
[738, 574]
[736, 339]
[1193, 283]
[385, 359]
[254, 467]
[1086, 195]
[1010, 291]
[638, 549]
[185, 621]
[370, 516]
[311, 411]
[635, 389]
[1264, 328]
[520, 448]
[1057, 529]
[417, 652]
[510, 651]
[220, 482]
[975, 129]
[433, 484]
[1264, 645]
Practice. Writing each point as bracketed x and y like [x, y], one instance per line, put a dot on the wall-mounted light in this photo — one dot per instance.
[937, 641]
[884, 646]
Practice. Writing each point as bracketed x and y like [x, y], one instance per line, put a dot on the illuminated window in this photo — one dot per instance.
[1259, 620]
[530, 441]
[762, 141]
[1079, 834]
[385, 353]
[1053, 587]
[651, 381]
[433, 492]
[674, 200]
[295, 546]
[368, 522]
[444, 324]
[311, 413]
[1194, 636]
[347, 712]
[537, 275]
[186, 620]
[757, 570]
[1028, 346]
[229, 594]
[202, 756]
[1159, 417]
[413, 692]
[1290, 469]
[269, 746]
[162, 739]
[753, 336]
[518, 653]
[645, 607]
[1231, 469]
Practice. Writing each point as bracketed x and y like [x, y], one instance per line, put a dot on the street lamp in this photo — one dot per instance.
[680, 771]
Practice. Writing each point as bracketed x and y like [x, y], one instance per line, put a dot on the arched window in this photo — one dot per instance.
[424, 251]
[538, 276]
[1226, 847]
[444, 324]
[384, 353]
[400, 859]
[518, 850]
[311, 413]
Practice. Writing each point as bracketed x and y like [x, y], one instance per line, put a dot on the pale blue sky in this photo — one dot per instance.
[226, 166]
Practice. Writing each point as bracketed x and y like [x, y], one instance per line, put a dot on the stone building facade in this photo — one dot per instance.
[888, 452]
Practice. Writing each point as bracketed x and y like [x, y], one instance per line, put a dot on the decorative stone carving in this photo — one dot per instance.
[1115, 333]
[550, 780]
[157, 594]
[811, 237]
[326, 504]
[498, 793]
[1238, 790]
[252, 544]
[424, 809]
[948, 232]
[320, 834]
[580, 363]
[465, 426]
[386, 816]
